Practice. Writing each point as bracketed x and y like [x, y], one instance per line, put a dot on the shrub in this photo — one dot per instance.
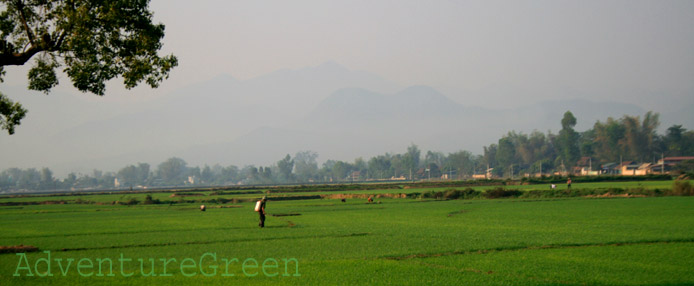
[130, 202]
[542, 194]
[645, 192]
[150, 201]
[602, 178]
[501, 193]
[432, 195]
[467, 193]
[682, 188]
[451, 194]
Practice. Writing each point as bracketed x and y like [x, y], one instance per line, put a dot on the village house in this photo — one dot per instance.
[628, 168]
[354, 176]
[667, 164]
[485, 176]
[609, 169]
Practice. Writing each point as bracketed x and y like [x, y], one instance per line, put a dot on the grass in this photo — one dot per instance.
[400, 241]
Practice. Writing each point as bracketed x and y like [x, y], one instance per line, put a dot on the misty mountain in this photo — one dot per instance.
[339, 113]
[362, 104]
[355, 122]
[225, 108]
[680, 116]
[86, 132]
[427, 110]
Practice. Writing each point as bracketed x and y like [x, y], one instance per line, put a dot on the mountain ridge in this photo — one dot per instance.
[356, 122]
[229, 121]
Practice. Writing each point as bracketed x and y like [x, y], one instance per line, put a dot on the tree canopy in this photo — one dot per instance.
[568, 140]
[92, 41]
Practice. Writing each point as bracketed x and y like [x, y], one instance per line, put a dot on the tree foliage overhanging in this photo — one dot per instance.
[92, 41]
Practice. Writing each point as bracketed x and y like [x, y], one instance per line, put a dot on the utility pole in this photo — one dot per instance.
[540, 169]
[662, 163]
[590, 165]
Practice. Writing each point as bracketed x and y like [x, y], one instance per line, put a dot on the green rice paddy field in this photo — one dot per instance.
[572, 241]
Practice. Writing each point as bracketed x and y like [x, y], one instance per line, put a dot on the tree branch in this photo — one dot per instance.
[59, 43]
[18, 59]
[22, 18]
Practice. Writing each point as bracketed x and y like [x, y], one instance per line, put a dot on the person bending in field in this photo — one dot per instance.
[262, 211]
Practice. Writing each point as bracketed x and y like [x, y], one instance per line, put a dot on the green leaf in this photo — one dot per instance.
[10, 114]
[42, 76]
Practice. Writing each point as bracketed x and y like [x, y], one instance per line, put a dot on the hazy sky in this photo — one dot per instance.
[495, 54]
[489, 53]
[635, 51]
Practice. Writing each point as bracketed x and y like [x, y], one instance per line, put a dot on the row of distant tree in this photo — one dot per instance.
[627, 138]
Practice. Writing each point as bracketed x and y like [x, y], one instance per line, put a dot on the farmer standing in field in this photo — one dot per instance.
[568, 184]
[261, 210]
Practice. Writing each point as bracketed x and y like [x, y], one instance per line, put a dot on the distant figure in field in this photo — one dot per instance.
[202, 208]
[370, 200]
[553, 186]
[260, 208]
[344, 200]
[568, 184]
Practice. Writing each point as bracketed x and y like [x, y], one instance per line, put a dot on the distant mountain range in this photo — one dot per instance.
[354, 122]
[339, 113]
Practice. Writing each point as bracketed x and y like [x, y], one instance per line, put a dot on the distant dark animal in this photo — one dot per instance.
[344, 200]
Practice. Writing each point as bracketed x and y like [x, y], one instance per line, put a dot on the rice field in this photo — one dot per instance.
[401, 241]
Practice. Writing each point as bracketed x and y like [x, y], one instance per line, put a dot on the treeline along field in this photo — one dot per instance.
[571, 240]
[598, 150]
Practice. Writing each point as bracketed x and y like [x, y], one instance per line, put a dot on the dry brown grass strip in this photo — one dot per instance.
[18, 248]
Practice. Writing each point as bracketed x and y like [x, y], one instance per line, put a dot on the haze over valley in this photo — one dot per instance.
[339, 113]
[258, 81]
